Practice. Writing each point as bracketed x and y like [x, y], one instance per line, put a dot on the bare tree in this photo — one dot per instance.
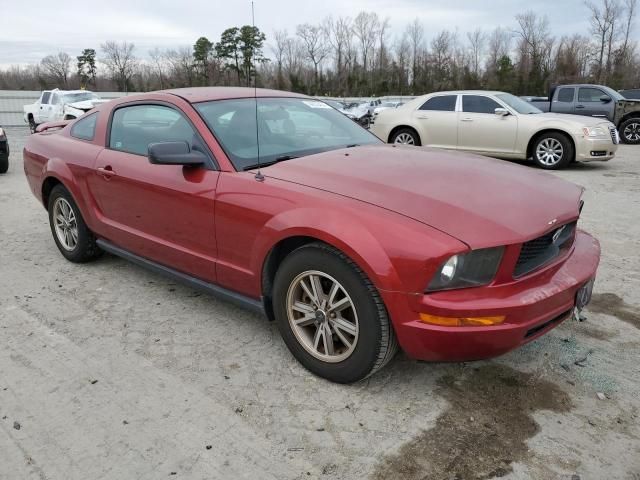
[415, 35]
[278, 48]
[477, 40]
[181, 64]
[158, 61]
[314, 38]
[57, 67]
[631, 7]
[120, 62]
[365, 28]
[603, 21]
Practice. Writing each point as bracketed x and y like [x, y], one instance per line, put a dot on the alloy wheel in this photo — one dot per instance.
[549, 152]
[632, 132]
[405, 139]
[65, 224]
[322, 316]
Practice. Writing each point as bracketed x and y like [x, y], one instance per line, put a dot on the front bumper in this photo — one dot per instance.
[595, 149]
[533, 305]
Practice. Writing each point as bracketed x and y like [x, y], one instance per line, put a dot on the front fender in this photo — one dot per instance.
[337, 229]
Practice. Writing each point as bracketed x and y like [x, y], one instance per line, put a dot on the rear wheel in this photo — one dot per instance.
[630, 131]
[406, 136]
[32, 125]
[4, 164]
[330, 316]
[71, 234]
[553, 151]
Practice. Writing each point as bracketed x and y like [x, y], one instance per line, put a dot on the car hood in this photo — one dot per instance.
[86, 104]
[482, 202]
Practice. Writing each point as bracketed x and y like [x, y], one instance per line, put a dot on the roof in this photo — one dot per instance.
[204, 94]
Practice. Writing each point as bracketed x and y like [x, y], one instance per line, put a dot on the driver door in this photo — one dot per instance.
[590, 102]
[481, 130]
[164, 213]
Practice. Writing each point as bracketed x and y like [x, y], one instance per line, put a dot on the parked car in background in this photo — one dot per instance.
[360, 112]
[4, 151]
[499, 125]
[56, 105]
[595, 101]
[633, 94]
[341, 107]
[351, 246]
[386, 106]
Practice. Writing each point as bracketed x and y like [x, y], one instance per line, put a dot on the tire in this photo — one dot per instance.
[32, 125]
[4, 164]
[553, 151]
[78, 245]
[406, 136]
[630, 131]
[372, 339]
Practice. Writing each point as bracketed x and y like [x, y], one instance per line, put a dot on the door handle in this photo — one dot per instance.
[579, 106]
[105, 172]
[467, 119]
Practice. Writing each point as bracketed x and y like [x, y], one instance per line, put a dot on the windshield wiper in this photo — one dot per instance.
[281, 158]
[352, 145]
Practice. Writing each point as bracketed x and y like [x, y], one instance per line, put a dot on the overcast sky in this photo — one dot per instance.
[31, 29]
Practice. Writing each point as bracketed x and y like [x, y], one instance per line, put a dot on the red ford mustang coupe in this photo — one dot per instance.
[284, 205]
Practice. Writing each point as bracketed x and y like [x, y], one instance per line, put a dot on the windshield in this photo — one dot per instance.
[335, 104]
[289, 127]
[79, 97]
[518, 104]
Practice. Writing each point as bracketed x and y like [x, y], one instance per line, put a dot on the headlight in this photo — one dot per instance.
[472, 269]
[594, 132]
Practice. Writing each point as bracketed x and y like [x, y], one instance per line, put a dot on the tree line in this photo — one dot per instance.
[361, 57]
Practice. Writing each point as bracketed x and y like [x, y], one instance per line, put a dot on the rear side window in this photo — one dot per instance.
[590, 95]
[134, 128]
[85, 128]
[566, 95]
[442, 103]
[479, 104]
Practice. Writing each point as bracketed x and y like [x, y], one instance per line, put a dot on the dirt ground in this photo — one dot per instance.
[108, 371]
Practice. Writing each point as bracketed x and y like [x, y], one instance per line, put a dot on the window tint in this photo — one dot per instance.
[590, 95]
[479, 104]
[85, 128]
[566, 95]
[45, 97]
[442, 103]
[134, 128]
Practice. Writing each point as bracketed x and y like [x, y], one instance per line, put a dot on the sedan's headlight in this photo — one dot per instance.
[594, 132]
[472, 269]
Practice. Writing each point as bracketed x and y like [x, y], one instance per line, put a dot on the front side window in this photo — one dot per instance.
[590, 95]
[285, 128]
[566, 95]
[45, 97]
[85, 128]
[479, 104]
[442, 103]
[134, 128]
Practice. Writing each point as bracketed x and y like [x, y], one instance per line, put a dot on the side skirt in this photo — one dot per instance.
[237, 298]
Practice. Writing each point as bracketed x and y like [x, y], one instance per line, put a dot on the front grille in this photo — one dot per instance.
[540, 251]
[615, 138]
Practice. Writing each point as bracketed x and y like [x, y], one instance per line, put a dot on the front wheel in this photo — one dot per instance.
[630, 131]
[4, 163]
[330, 315]
[553, 151]
[32, 125]
[71, 234]
[405, 136]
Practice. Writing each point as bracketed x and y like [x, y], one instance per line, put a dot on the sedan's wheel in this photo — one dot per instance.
[71, 234]
[330, 315]
[4, 164]
[553, 151]
[630, 131]
[405, 136]
[32, 125]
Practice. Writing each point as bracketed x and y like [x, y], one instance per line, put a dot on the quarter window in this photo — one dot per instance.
[134, 128]
[85, 128]
[441, 103]
[590, 95]
[565, 95]
[479, 104]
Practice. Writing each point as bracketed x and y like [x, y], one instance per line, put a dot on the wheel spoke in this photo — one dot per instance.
[327, 339]
[311, 294]
[345, 325]
[316, 286]
[305, 321]
[342, 338]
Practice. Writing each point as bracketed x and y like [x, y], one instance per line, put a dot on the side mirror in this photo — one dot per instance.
[605, 98]
[503, 112]
[175, 153]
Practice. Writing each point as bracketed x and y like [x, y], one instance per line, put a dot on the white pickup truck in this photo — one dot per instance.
[56, 105]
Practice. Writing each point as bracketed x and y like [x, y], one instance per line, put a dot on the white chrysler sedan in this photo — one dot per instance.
[500, 125]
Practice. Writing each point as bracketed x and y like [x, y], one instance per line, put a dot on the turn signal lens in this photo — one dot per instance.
[461, 321]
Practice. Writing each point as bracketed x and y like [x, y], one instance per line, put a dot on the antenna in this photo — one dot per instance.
[259, 177]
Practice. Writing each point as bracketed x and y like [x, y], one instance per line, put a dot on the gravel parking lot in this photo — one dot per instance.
[109, 371]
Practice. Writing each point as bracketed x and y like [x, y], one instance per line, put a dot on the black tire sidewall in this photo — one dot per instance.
[363, 359]
[85, 249]
[4, 164]
[416, 138]
[568, 151]
[621, 131]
